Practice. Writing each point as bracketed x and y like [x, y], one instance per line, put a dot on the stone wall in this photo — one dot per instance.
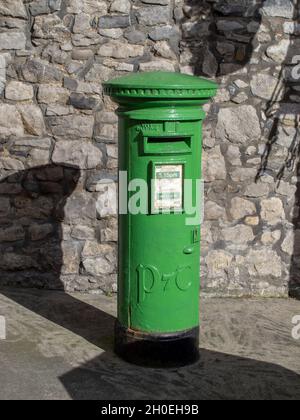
[58, 153]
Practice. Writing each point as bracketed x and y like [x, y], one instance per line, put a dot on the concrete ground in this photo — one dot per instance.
[59, 346]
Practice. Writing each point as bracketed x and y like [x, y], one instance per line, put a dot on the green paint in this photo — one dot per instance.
[160, 123]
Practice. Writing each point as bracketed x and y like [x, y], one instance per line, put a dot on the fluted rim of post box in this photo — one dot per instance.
[160, 85]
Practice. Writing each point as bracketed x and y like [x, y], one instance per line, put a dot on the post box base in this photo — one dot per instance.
[157, 350]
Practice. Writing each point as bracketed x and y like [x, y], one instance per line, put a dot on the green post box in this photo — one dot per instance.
[160, 139]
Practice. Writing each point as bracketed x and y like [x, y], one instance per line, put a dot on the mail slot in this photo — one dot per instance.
[167, 145]
[160, 138]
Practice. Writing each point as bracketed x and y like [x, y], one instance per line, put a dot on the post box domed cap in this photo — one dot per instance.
[160, 85]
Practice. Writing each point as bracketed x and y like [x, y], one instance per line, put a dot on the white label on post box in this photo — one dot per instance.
[168, 192]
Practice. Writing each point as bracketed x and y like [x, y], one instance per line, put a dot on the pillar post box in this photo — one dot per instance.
[160, 141]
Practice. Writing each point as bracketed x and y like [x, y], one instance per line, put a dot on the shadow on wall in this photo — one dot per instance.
[32, 211]
[219, 36]
[33, 252]
[282, 129]
[231, 27]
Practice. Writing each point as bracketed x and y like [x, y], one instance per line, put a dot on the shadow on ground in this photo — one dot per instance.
[70, 352]
[217, 376]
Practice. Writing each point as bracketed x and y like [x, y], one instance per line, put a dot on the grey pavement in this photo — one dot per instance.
[59, 346]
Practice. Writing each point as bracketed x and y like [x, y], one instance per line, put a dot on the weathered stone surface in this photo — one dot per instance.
[222, 96]
[212, 211]
[157, 65]
[279, 51]
[270, 237]
[48, 94]
[13, 8]
[107, 133]
[118, 66]
[32, 142]
[2, 72]
[39, 7]
[264, 86]
[77, 154]
[243, 174]
[135, 37]
[235, 8]
[238, 235]
[5, 206]
[214, 167]
[89, 39]
[120, 6]
[41, 208]
[241, 84]
[83, 232]
[98, 72]
[240, 98]
[257, 190]
[82, 54]
[226, 48]
[18, 91]
[291, 28]
[55, 5]
[252, 220]
[285, 136]
[71, 257]
[161, 2]
[10, 121]
[12, 41]
[241, 208]
[263, 262]
[38, 232]
[91, 7]
[11, 261]
[163, 49]
[72, 127]
[33, 119]
[110, 22]
[210, 64]
[38, 71]
[206, 233]
[234, 155]
[10, 163]
[50, 27]
[38, 157]
[272, 211]
[80, 207]
[218, 263]
[192, 29]
[163, 32]
[154, 15]
[238, 124]
[82, 23]
[12, 234]
[117, 49]
[279, 8]
[287, 245]
[286, 189]
[114, 33]
[99, 259]
[81, 101]
[229, 25]
[107, 199]
[110, 232]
